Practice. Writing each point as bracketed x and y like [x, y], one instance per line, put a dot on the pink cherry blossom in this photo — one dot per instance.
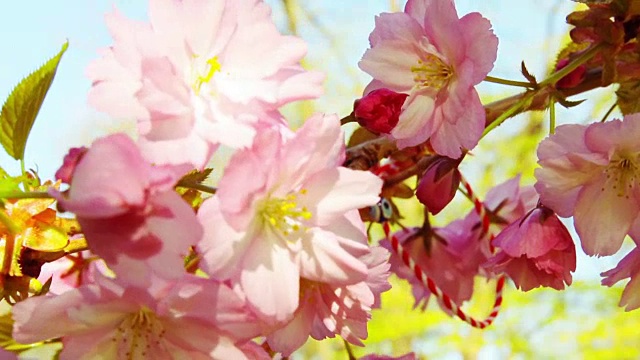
[592, 173]
[286, 209]
[628, 267]
[193, 318]
[536, 250]
[129, 213]
[452, 255]
[327, 310]
[200, 73]
[436, 58]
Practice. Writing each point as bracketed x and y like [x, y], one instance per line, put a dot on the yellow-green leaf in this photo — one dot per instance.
[23, 104]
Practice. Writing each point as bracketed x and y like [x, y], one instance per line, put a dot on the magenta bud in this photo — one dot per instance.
[379, 110]
[71, 160]
[439, 184]
[573, 78]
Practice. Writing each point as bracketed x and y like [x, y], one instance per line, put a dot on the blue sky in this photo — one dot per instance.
[33, 30]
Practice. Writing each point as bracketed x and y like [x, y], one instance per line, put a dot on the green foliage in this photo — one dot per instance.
[23, 104]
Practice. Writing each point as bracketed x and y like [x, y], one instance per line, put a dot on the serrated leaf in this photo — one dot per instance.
[196, 177]
[23, 104]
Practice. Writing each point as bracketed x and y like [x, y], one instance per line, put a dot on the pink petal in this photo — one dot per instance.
[389, 62]
[602, 218]
[481, 45]
[271, 280]
[395, 26]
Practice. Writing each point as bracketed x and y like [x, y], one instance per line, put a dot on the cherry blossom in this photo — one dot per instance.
[129, 213]
[199, 74]
[536, 250]
[286, 209]
[436, 58]
[592, 173]
[327, 310]
[193, 318]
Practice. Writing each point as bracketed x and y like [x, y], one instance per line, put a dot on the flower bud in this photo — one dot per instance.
[379, 110]
[573, 78]
[439, 184]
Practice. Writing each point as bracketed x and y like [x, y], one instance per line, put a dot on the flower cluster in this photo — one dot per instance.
[156, 263]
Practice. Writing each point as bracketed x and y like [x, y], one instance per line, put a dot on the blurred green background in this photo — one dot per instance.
[582, 322]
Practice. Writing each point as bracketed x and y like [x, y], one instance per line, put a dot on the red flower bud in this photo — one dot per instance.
[573, 78]
[379, 110]
[65, 172]
[439, 184]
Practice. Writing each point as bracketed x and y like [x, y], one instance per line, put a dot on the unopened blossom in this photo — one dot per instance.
[451, 256]
[593, 174]
[573, 78]
[192, 318]
[286, 209]
[379, 110]
[199, 74]
[327, 310]
[535, 250]
[437, 58]
[129, 213]
[628, 267]
[439, 184]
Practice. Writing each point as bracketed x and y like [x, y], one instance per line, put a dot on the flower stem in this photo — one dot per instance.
[508, 82]
[510, 111]
[552, 117]
[583, 58]
[604, 118]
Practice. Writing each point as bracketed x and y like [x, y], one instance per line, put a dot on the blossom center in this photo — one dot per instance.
[623, 173]
[211, 67]
[431, 72]
[284, 214]
[137, 334]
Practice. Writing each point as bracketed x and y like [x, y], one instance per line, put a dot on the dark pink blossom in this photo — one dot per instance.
[439, 184]
[378, 111]
[536, 250]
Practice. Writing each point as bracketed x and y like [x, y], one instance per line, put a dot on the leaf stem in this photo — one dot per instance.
[25, 195]
[508, 82]
[196, 186]
[10, 242]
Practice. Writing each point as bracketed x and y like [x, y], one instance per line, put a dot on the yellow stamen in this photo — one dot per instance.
[213, 67]
[284, 214]
[432, 72]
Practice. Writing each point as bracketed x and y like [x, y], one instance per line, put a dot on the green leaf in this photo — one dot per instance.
[23, 104]
[629, 97]
[196, 177]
